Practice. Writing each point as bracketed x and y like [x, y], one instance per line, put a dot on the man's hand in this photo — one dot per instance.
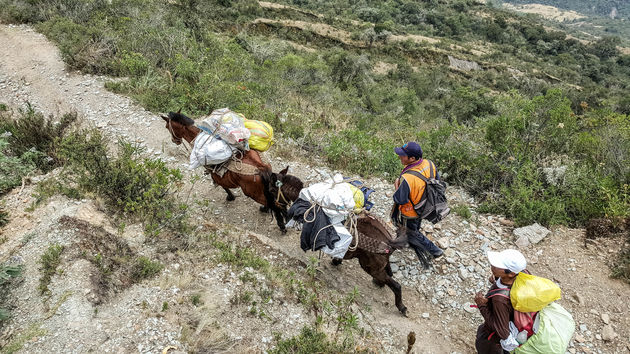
[480, 300]
[397, 183]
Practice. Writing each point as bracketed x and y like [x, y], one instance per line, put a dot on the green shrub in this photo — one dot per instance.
[49, 261]
[131, 185]
[4, 217]
[7, 273]
[13, 169]
[53, 186]
[133, 64]
[621, 267]
[310, 340]
[144, 268]
[34, 137]
[362, 153]
[195, 299]
[240, 256]
[83, 46]
[462, 210]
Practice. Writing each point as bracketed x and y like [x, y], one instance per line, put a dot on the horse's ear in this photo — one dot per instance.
[284, 172]
[165, 118]
[180, 111]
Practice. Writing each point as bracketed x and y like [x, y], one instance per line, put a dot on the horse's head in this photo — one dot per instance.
[180, 127]
[284, 187]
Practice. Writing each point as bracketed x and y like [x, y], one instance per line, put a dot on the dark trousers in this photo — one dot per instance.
[485, 345]
[417, 240]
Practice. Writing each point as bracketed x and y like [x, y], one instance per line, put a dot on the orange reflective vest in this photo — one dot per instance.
[416, 188]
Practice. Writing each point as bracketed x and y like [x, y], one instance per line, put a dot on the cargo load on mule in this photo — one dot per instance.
[227, 135]
[223, 138]
[327, 213]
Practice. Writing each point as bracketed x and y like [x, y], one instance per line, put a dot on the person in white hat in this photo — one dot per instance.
[495, 306]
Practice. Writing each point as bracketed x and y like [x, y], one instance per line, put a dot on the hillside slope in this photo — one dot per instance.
[495, 97]
[605, 8]
[205, 301]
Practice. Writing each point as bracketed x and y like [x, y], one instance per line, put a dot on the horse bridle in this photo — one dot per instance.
[281, 195]
[177, 140]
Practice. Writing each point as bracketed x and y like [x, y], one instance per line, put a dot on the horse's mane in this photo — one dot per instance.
[291, 187]
[180, 118]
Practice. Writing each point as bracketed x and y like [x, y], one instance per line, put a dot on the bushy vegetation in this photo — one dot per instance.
[7, 274]
[28, 142]
[310, 340]
[621, 267]
[49, 261]
[540, 133]
[132, 185]
[144, 268]
[4, 216]
[12, 168]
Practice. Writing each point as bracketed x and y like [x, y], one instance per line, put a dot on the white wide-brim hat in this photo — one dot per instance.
[512, 260]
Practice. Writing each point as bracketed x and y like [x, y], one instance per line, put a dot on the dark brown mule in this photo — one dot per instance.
[375, 245]
[183, 128]
[282, 189]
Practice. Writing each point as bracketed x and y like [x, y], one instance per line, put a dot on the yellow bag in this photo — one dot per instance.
[262, 134]
[531, 293]
[359, 199]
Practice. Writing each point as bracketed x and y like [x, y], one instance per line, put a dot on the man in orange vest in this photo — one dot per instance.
[409, 190]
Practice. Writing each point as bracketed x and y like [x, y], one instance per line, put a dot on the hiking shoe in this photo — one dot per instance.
[336, 261]
[438, 255]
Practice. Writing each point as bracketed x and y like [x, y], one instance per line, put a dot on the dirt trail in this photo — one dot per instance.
[31, 70]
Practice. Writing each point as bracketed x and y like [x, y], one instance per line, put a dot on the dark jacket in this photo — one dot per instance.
[317, 232]
[496, 314]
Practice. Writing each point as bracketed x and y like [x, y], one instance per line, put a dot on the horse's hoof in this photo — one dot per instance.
[336, 261]
[230, 198]
[264, 209]
[283, 231]
[378, 283]
[403, 310]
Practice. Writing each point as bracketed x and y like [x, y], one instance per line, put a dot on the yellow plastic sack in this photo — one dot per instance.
[359, 199]
[531, 293]
[261, 137]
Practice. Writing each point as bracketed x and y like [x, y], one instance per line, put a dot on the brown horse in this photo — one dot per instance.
[375, 244]
[182, 128]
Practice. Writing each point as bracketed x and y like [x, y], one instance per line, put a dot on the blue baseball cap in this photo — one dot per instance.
[411, 149]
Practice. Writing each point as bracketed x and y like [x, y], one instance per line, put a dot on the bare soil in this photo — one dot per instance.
[548, 12]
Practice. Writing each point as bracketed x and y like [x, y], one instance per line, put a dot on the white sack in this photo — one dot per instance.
[335, 198]
[228, 125]
[209, 151]
[341, 246]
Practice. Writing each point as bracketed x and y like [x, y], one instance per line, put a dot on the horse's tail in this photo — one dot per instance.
[399, 242]
[402, 240]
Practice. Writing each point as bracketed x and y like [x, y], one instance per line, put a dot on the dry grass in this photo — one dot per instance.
[548, 12]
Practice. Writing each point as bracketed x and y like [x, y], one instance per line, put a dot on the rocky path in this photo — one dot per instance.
[134, 321]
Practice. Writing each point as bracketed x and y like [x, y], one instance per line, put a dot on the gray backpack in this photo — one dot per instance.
[432, 206]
